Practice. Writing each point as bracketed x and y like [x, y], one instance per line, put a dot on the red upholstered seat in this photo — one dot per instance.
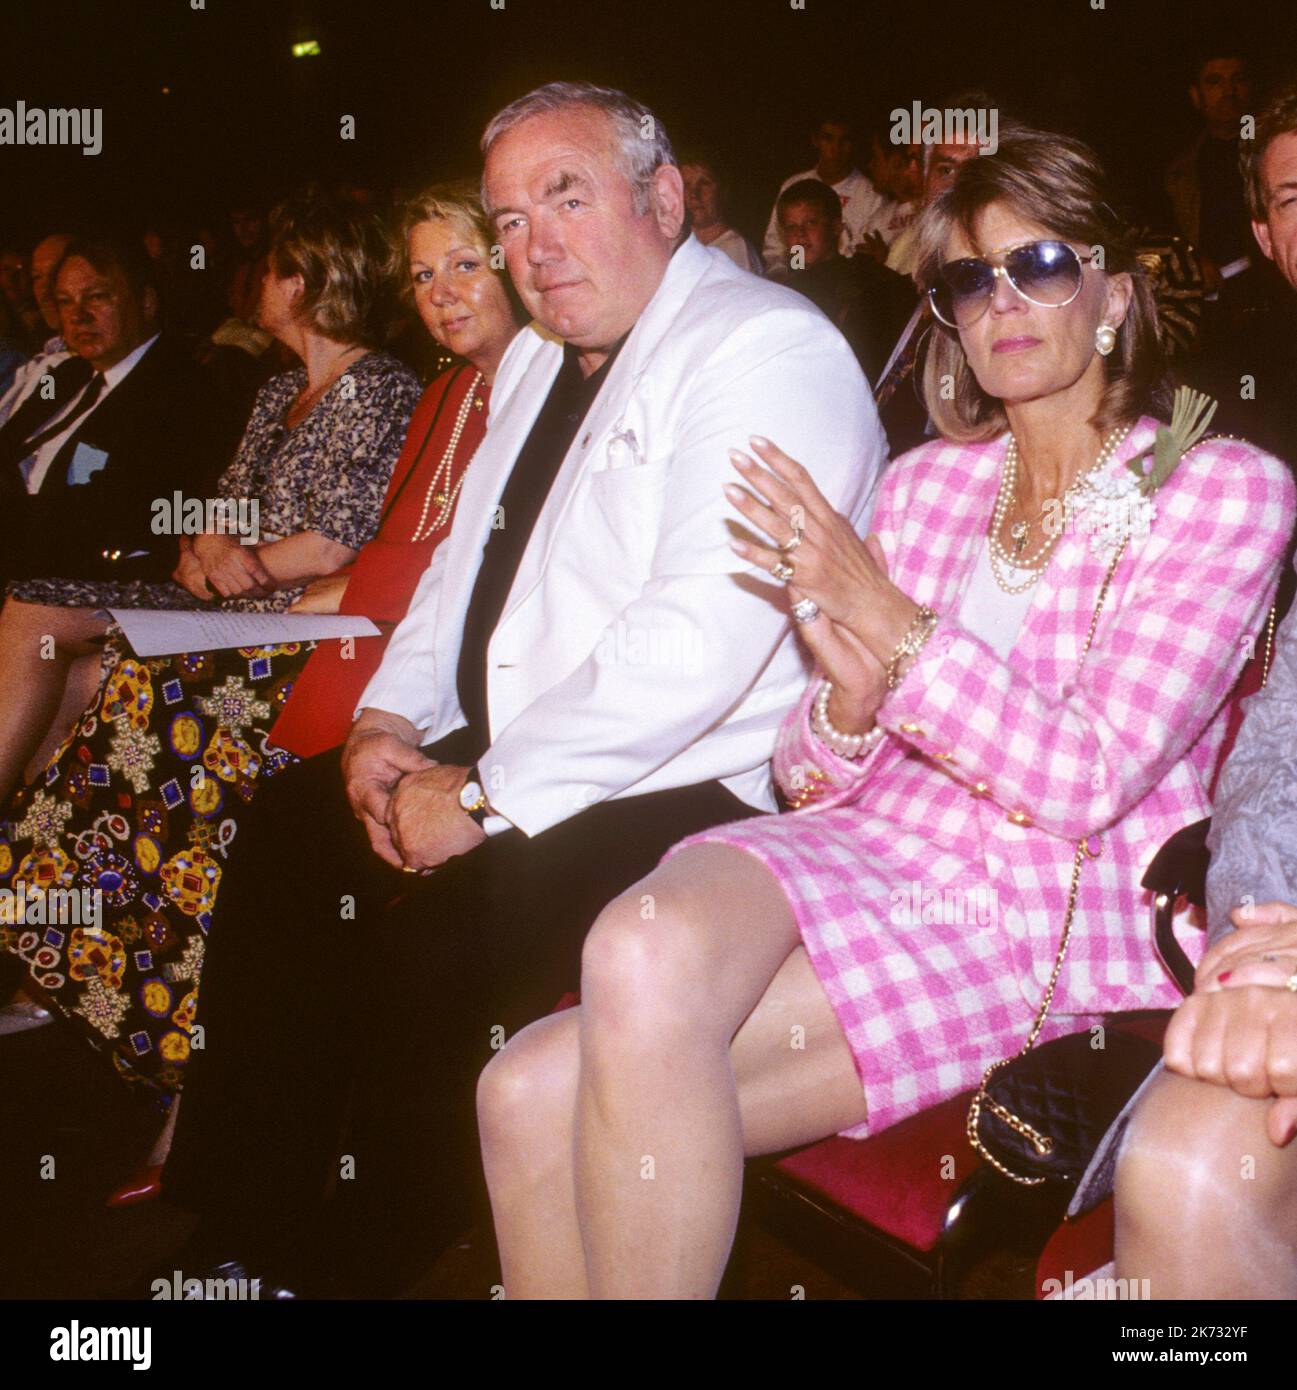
[900, 1181]
[903, 1181]
[1077, 1248]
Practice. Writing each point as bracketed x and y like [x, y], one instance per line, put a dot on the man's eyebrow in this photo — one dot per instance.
[562, 182]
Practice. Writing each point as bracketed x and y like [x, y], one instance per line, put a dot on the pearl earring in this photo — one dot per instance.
[1105, 339]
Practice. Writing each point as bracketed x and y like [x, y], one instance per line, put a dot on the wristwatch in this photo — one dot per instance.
[472, 798]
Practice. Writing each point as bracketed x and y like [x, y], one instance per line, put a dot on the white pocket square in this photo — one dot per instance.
[85, 462]
[624, 450]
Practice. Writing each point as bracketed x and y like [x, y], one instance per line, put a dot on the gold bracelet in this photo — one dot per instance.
[925, 620]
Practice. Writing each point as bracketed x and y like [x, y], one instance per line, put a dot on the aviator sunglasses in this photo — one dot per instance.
[1047, 273]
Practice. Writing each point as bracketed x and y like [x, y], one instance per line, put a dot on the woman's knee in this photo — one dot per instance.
[643, 963]
[1192, 1149]
[530, 1083]
[49, 630]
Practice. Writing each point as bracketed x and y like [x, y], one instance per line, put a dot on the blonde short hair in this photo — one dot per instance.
[341, 252]
[1058, 184]
[460, 204]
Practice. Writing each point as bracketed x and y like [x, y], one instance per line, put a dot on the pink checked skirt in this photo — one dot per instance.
[925, 1005]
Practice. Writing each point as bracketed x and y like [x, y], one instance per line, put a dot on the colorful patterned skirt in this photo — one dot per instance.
[132, 819]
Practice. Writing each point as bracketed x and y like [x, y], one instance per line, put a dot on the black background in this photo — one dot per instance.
[241, 116]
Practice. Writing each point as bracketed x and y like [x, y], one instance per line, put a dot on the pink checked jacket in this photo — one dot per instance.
[1006, 764]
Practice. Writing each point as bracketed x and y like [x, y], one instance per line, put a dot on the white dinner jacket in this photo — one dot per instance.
[635, 651]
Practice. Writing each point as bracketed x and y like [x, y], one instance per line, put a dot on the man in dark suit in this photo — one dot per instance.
[126, 419]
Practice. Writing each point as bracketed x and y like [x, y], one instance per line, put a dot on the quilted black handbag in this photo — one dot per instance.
[1072, 1090]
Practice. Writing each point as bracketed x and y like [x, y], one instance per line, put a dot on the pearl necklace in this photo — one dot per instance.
[445, 501]
[1034, 564]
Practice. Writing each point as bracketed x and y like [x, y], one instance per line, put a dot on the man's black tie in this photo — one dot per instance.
[84, 403]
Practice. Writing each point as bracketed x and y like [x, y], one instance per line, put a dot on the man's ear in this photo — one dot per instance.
[1195, 96]
[149, 304]
[1261, 230]
[667, 194]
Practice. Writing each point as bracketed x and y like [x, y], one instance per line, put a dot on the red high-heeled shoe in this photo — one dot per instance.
[143, 1185]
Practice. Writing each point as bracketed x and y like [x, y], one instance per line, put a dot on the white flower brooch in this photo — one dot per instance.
[1111, 509]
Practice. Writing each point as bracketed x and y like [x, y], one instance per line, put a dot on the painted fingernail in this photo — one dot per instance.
[740, 460]
[759, 440]
[1224, 975]
[734, 492]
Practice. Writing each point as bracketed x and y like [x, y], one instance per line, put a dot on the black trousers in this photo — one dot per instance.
[340, 994]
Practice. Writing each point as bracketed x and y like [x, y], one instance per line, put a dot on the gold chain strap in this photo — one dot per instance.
[1042, 1143]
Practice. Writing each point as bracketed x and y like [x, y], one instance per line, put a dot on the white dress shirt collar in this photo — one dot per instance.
[119, 371]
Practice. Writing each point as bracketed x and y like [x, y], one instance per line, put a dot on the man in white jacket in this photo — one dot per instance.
[585, 674]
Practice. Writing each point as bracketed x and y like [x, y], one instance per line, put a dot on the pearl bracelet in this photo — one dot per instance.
[844, 745]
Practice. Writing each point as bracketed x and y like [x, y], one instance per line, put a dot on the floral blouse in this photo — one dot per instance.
[330, 472]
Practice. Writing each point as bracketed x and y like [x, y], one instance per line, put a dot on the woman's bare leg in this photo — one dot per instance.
[1206, 1205]
[78, 691]
[162, 1144]
[38, 643]
[693, 1098]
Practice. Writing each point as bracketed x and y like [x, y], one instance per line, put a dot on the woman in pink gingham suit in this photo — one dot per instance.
[841, 966]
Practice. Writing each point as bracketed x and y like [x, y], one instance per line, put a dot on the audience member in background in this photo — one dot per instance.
[249, 264]
[1203, 182]
[189, 294]
[970, 727]
[867, 302]
[706, 201]
[17, 302]
[127, 419]
[146, 790]
[240, 331]
[896, 170]
[1253, 372]
[864, 208]
[45, 256]
[12, 356]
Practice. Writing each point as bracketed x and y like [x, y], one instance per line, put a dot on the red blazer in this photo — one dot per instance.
[318, 713]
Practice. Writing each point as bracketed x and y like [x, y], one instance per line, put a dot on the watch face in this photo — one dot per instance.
[468, 795]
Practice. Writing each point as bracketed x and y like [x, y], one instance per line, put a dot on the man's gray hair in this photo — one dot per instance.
[642, 142]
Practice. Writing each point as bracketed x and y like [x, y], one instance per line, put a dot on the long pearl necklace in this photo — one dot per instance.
[446, 500]
[1034, 564]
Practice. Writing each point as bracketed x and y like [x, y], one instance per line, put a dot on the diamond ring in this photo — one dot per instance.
[806, 610]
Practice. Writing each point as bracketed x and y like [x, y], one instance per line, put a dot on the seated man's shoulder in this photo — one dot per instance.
[729, 301]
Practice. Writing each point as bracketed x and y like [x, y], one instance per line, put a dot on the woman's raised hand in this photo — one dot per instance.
[863, 615]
